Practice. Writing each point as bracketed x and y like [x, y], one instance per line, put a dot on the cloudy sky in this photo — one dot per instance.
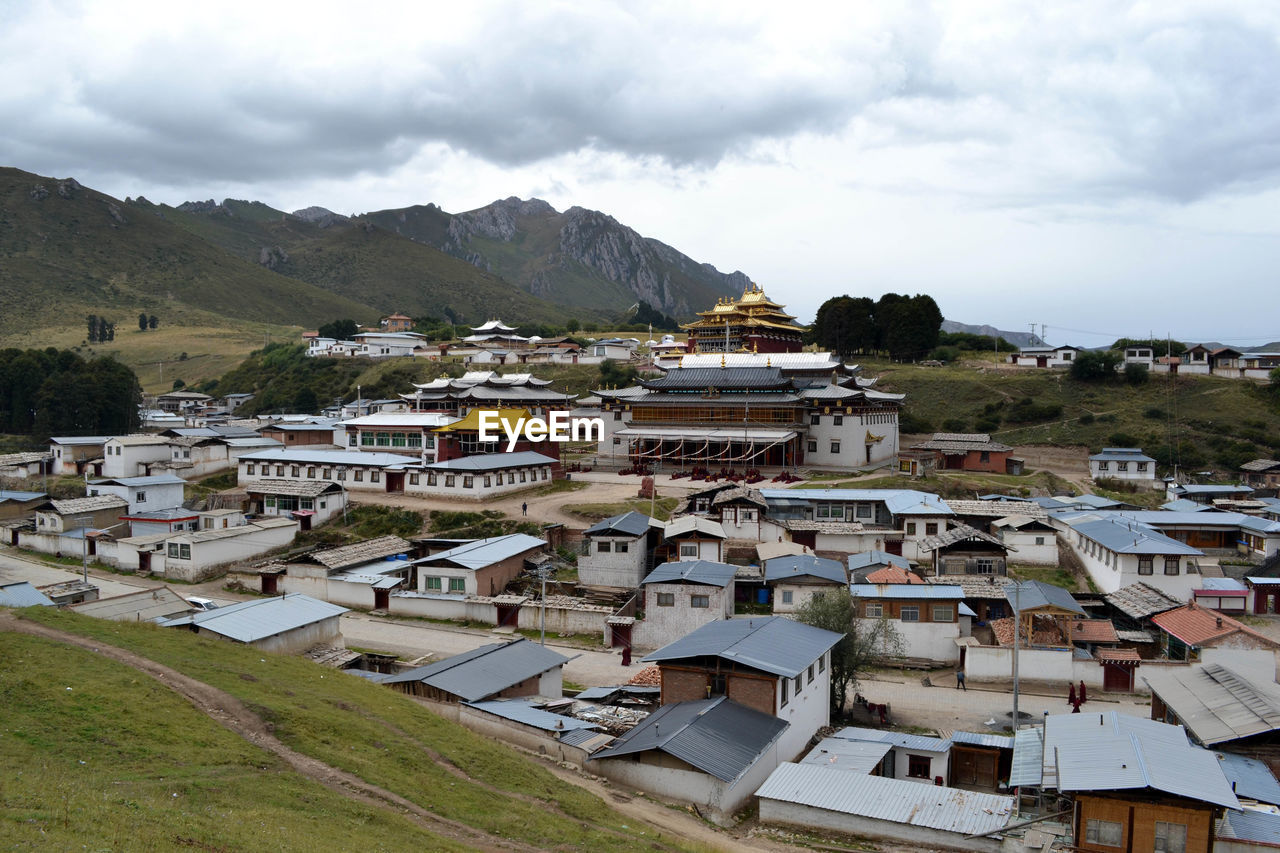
[1100, 168]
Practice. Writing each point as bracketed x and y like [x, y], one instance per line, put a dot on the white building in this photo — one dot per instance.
[916, 758]
[1124, 463]
[925, 617]
[195, 555]
[72, 454]
[389, 344]
[794, 579]
[312, 503]
[616, 551]
[352, 469]
[132, 455]
[1033, 541]
[161, 491]
[693, 538]
[1045, 356]
[475, 478]
[1116, 553]
[680, 597]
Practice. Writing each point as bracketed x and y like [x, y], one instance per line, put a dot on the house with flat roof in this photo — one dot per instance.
[496, 671]
[287, 624]
[1124, 463]
[481, 567]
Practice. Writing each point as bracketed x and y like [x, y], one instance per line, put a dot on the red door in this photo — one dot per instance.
[508, 615]
[1117, 679]
[382, 599]
[144, 562]
[893, 547]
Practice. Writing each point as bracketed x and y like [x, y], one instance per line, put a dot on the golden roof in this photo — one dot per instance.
[471, 423]
[753, 308]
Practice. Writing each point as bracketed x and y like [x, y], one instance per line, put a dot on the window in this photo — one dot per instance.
[342, 474]
[414, 479]
[414, 440]
[911, 528]
[717, 684]
[701, 602]
[1039, 540]
[184, 552]
[511, 479]
[383, 439]
[839, 420]
[942, 613]
[835, 447]
[279, 471]
[352, 440]
[375, 476]
[142, 497]
[325, 473]
[785, 698]
[522, 476]
[666, 599]
[1170, 837]
[488, 481]
[173, 547]
[812, 447]
[874, 609]
[450, 480]
[689, 549]
[457, 585]
[617, 416]
[434, 584]
[468, 482]
[799, 684]
[1144, 565]
[366, 439]
[1122, 466]
[250, 469]
[1104, 466]
[864, 511]
[1142, 467]
[294, 471]
[621, 547]
[311, 473]
[544, 473]
[931, 529]
[918, 766]
[358, 475]
[788, 596]
[910, 613]
[604, 547]
[815, 420]
[431, 479]
[1108, 833]
[1171, 565]
[307, 503]
[397, 439]
[984, 456]
[822, 664]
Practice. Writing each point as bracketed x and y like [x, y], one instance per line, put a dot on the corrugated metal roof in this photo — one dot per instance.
[485, 552]
[1121, 454]
[770, 644]
[1185, 505]
[328, 457]
[717, 736]
[867, 559]
[693, 524]
[482, 672]
[11, 495]
[1115, 534]
[522, 711]
[852, 756]
[897, 501]
[1034, 595]
[1209, 489]
[630, 523]
[803, 565]
[1215, 703]
[249, 621]
[23, 594]
[893, 800]
[924, 591]
[705, 572]
[1251, 825]
[922, 743]
[492, 461]
[1250, 777]
[146, 605]
[1027, 770]
[983, 739]
[154, 480]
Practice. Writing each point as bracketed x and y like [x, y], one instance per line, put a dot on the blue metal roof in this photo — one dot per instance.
[924, 591]
[484, 552]
[1121, 454]
[248, 621]
[329, 457]
[705, 572]
[851, 756]
[1115, 534]
[1250, 777]
[717, 736]
[522, 711]
[1185, 505]
[1095, 501]
[1032, 595]
[1250, 825]
[482, 672]
[1209, 489]
[628, 523]
[902, 739]
[803, 565]
[871, 558]
[770, 644]
[492, 461]
[897, 501]
[23, 594]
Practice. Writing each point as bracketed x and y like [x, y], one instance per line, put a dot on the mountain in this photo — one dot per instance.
[1018, 339]
[67, 251]
[578, 259]
[358, 259]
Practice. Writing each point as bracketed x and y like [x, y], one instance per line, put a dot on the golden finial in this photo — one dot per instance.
[722, 359]
[768, 362]
[755, 346]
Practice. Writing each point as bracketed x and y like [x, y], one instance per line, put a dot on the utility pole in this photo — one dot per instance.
[1017, 639]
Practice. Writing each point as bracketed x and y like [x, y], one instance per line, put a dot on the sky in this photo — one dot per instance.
[1100, 169]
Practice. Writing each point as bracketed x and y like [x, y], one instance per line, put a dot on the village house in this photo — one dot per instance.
[396, 323]
[772, 664]
[617, 551]
[389, 344]
[1144, 356]
[15, 505]
[892, 520]
[911, 757]
[1135, 784]
[312, 503]
[681, 596]
[475, 478]
[351, 469]
[72, 526]
[168, 520]
[1261, 474]
[497, 671]
[21, 466]
[23, 594]
[145, 605]
[1226, 595]
[410, 433]
[1217, 703]
[480, 567]
[1209, 493]
[713, 753]
[617, 349]
[984, 595]
[963, 550]
[162, 491]
[181, 402]
[288, 624]
[864, 563]
[132, 455]
[1117, 552]
[316, 433]
[967, 452]
[73, 454]
[1034, 539]
[692, 538]
[794, 579]
[1045, 356]
[1124, 463]
[194, 555]
[1209, 361]
[925, 618]
[359, 575]
[199, 451]
[1187, 631]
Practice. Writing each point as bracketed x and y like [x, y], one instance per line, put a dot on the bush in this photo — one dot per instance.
[913, 424]
[986, 425]
[945, 354]
[1136, 374]
[1155, 413]
[1087, 418]
[954, 425]
[1027, 411]
[1124, 439]
[1095, 366]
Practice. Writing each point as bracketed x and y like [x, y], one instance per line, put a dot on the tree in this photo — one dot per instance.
[1135, 373]
[111, 331]
[152, 321]
[614, 375]
[866, 642]
[93, 328]
[573, 324]
[305, 401]
[142, 322]
[1094, 365]
[178, 385]
[339, 330]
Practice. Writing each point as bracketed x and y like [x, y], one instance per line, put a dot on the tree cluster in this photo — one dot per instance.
[1158, 346]
[904, 327]
[1095, 365]
[647, 315]
[56, 392]
[145, 322]
[339, 330]
[100, 329]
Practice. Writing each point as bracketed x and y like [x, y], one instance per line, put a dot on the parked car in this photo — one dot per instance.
[201, 604]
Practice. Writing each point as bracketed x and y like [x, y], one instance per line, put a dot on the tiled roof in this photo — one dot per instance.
[961, 443]
[1093, 631]
[362, 552]
[1196, 625]
[892, 574]
[960, 533]
[1140, 600]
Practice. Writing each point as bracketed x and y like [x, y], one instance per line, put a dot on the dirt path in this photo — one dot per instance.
[233, 715]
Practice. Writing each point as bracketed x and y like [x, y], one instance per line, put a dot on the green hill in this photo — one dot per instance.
[278, 753]
[70, 251]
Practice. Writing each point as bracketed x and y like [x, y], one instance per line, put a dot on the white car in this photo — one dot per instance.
[201, 604]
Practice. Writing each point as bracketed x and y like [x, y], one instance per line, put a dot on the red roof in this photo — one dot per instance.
[1093, 631]
[1196, 625]
[1118, 656]
[893, 574]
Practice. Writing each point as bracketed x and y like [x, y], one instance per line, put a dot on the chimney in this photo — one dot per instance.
[1219, 621]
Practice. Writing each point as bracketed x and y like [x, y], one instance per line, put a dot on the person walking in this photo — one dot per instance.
[524, 509]
[1071, 694]
[960, 681]
[1084, 692]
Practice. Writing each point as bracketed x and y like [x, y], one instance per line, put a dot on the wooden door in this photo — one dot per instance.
[1117, 679]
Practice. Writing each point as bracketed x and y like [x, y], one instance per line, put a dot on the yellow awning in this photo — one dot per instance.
[471, 423]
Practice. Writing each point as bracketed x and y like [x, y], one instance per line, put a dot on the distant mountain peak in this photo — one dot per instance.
[321, 216]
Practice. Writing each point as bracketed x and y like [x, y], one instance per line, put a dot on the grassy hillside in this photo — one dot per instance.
[120, 761]
[69, 251]
[1212, 422]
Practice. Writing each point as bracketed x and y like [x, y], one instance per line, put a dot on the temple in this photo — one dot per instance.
[751, 323]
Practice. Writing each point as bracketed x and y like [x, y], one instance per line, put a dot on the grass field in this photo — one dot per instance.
[153, 765]
[662, 508]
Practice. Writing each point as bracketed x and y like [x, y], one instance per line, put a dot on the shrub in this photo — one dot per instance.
[954, 425]
[1124, 439]
[1087, 418]
[1155, 413]
[911, 423]
[1136, 374]
[1095, 366]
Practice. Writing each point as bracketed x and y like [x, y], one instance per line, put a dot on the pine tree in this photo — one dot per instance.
[142, 322]
[93, 328]
[153, 322]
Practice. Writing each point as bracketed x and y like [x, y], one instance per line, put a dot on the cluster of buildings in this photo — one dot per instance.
[1196, 360]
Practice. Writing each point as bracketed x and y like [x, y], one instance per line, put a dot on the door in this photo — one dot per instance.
[270, 584]
[1117, 679]
[395, 481]
[382, 599]
[619, 636]
[894, 547]
[508, 615]
[144, 562]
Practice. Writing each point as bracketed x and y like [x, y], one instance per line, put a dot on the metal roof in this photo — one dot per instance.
[717, 736]
[1185, 505]
[78, 440]
[473, 675]
[997, 508]
[300, 488]
[485, 552]
[1121, 454]
[402, 419]
[328, 457]
[803, 565]
[704, 572]
[693, 524]
[897, 501]
[923, 743]
[1116, 535]
[1033, 595]
[852, 756]
[523, 711]
[866, 559]
[147, 605]
[893, 800]
[629, 523]
[1209, 489]
[1197, 625]
[747, 378]
[134, 482]
[21, 497]
[771, 644]
[1250, 777]
[22, 594]
[1250, 825]
[1215, 703]
[924, 591]
[361, 552]
[983, 739]
[1027, 769]
[492, 461]
[249, 621]
[1140, 600]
